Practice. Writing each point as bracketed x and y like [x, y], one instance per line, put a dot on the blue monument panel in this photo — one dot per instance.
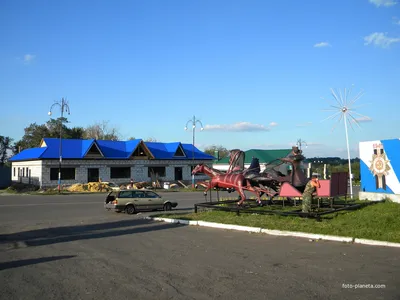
[379, 166]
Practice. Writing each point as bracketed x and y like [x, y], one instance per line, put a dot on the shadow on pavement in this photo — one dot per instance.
[31, 261]
[64, 234]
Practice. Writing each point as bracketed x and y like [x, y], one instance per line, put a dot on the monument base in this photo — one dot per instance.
[378, 196]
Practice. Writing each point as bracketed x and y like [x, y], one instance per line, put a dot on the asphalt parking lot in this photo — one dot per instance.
[69, 247]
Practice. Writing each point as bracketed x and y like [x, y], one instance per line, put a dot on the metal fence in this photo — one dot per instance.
[5, 177]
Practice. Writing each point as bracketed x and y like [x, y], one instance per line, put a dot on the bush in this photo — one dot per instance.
[22, 188]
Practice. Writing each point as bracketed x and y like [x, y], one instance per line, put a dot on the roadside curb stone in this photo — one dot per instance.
[310, 236]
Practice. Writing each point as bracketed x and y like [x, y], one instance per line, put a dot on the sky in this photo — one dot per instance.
[254, 74]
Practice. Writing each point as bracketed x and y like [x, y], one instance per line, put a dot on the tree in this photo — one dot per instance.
[222, 151]
[101, 131]
[150, 140]
[5, 146]
[34, 133]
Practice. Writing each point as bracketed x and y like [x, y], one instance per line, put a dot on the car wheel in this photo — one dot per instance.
[167, 206]
[130, 209]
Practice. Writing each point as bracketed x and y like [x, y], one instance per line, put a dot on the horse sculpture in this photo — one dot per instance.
[266, 182]
[237, 181]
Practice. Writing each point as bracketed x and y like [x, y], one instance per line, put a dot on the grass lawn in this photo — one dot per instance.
[379, 221]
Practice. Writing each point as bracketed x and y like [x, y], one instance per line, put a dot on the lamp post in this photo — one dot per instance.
[64, 108]
[193, 122]
[300, 142]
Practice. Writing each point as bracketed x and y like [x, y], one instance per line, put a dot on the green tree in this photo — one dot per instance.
[5, 147]
[222, 151]
[34, 133]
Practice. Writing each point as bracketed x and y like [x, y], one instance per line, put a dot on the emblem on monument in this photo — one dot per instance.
[379, 166]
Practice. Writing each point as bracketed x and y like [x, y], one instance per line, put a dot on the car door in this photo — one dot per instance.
[154, 200]
[139, 200]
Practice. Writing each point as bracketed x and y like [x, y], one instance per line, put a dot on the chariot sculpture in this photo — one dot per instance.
[267, 182]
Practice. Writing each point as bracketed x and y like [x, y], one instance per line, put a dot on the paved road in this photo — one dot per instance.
[68, 247]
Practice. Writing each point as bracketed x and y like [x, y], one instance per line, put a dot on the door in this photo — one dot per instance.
[154, 201]
[139, 200]
[178, 173]
[93, 175]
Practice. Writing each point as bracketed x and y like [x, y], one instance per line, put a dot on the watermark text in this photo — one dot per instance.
[363, 286]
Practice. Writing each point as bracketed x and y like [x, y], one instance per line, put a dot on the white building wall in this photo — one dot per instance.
[40, 170]
[27, 172]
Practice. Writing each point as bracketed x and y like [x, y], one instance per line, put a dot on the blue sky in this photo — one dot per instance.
[253, 72]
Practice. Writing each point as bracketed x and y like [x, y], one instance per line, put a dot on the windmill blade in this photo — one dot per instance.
[335, 108]
[356, 98]
[332, 116]
[341, 98]
[336, 98]
[350, 90]
[349, 121]
[358, 106]
[355, 121]
[333, 128]
[361, 115]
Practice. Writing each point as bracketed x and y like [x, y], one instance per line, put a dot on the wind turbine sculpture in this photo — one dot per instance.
[344, 110]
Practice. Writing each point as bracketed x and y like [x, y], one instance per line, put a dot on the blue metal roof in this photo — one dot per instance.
[71, 148]
[194, 153]
[78, 148]
[29, 154]
[113, 149]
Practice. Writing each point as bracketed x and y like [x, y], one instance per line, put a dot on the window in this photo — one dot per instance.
[125, 194]
[122, 172]
[27, 173]
[138, 194]
[151, 195]
[23, 172]
[66, 174]
[156, 171]
[14, 171]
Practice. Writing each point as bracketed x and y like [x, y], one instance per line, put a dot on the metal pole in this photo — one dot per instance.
[60, 148]
[194, 127]
[194, 122]
[348, 156]
[63, 106]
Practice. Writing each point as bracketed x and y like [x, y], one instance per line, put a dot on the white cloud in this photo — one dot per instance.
[380, 39]
[363, 119]
[314, 144]
[29, 58]
[322, 44]
[386, 3]
[273, 124]
[396, 21]
[238, 127]
[304, 124]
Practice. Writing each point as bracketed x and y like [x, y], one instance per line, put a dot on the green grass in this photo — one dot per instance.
[377, 222]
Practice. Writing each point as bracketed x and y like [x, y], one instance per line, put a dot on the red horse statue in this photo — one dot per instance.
[232, 181]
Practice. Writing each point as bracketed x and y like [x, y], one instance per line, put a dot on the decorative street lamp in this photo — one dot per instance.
[63, 104]
[193, 122]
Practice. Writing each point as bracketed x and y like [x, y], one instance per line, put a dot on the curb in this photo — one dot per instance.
[274, 232]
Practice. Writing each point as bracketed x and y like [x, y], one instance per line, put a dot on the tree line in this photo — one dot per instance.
[34, 133]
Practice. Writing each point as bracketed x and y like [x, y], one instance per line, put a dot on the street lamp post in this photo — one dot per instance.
[193, 122]
[64, 108]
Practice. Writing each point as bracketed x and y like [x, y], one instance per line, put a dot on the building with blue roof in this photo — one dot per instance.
[117, 161]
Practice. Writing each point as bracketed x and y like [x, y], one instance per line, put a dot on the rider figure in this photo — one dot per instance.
[309, 190]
